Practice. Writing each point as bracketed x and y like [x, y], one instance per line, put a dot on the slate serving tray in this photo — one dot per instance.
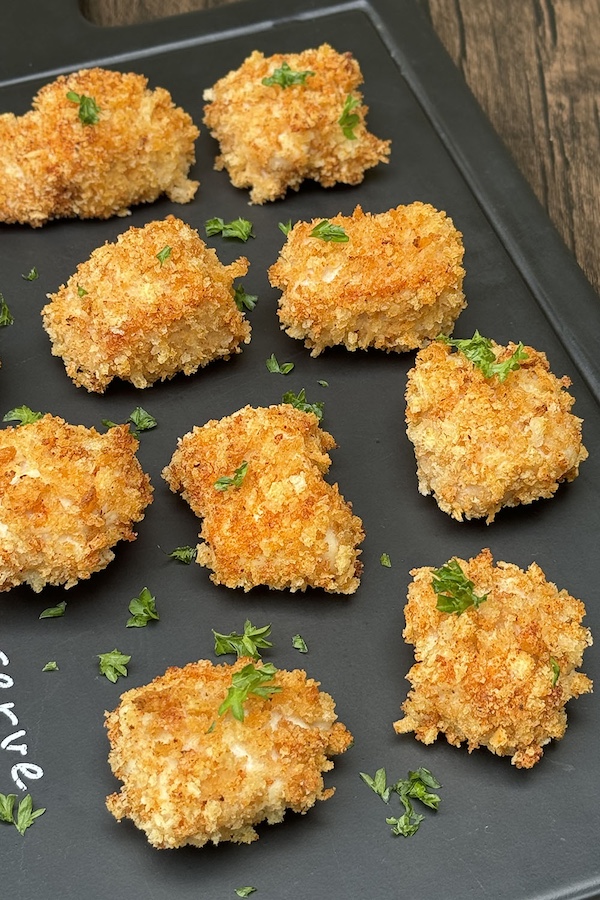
[499, 833]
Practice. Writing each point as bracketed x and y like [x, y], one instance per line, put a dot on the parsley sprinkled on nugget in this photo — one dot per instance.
[95, 143]
[284, 118]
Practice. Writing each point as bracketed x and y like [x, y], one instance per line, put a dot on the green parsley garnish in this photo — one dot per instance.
[298, 643]
[286, 77]
[478, 350]
[415, 787]
[51, 666]
[274, 366]
[226, 481]
[245, 891]
[298, 401]
[88, 108]
[142, 609]
[7, 802]
[23, 415]
[26, 814]
[139, 418]
[5, 315]
[113, 664]
[239, 228]
[185, 555]
[163, 255]
[348, 119]
[31, 275]
[285, 227]
[555, 670]
[54, 612]
[325, 231]
[455, 591]
[248, 680]
[243, 300]
[142, 420]
[81, 291]
[378, 783]
[323, 383]
[385, 560]
[247, 644]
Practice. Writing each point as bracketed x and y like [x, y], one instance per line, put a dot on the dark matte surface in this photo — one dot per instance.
[499, 833]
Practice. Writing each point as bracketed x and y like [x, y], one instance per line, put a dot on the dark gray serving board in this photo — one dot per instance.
[500, 833]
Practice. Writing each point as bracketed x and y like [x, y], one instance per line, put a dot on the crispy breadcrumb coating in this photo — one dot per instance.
[126, 313]
[394, 284]
[191, 776]
[54, 166]
[271, 137]
[482, 444]
[284, 526]
[67, 495]
[487, 676]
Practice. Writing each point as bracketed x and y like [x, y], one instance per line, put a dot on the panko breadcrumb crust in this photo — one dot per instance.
[67, 495]
[191, 776]
[486, 676]
[272, 138]
[396, 283]
[482, 444]
[127, 314]
[54, 166]
[285, 526]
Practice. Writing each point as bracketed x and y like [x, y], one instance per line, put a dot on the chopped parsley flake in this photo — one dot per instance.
[249, 643]
[325, 231]
[285, 76]
[455, 591]
[348, 119]
[243, 300]
[23, 415]
[163, 255]
[280, 369]
[54, 612]
[113, 664]
[298, 401]
[239, 228]
[5, 315]
[479, 351]
[248, 680]
[88, 108]
[226, 481]
[142, 609]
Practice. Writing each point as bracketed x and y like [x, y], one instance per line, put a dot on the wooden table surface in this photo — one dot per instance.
[534, 66]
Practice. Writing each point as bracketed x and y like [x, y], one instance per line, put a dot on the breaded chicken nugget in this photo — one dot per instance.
[499, 674]
[67, 495]
[155, 303]
[275, 521]
[283, 118]
[95, 143]
[482, 443]
[394, 283]
[191, 776]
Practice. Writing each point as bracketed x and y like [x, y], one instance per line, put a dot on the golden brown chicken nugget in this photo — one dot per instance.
[67, 495]
[191, 776]
[155, 303]
[483, 442]
[392, 283]
[499, 674]
[95, 143]
[275, 521]
[284, 118]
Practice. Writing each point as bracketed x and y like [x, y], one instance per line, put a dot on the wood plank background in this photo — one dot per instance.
[534, 66]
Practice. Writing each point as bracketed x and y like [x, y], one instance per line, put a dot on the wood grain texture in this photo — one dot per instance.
[534, 67]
